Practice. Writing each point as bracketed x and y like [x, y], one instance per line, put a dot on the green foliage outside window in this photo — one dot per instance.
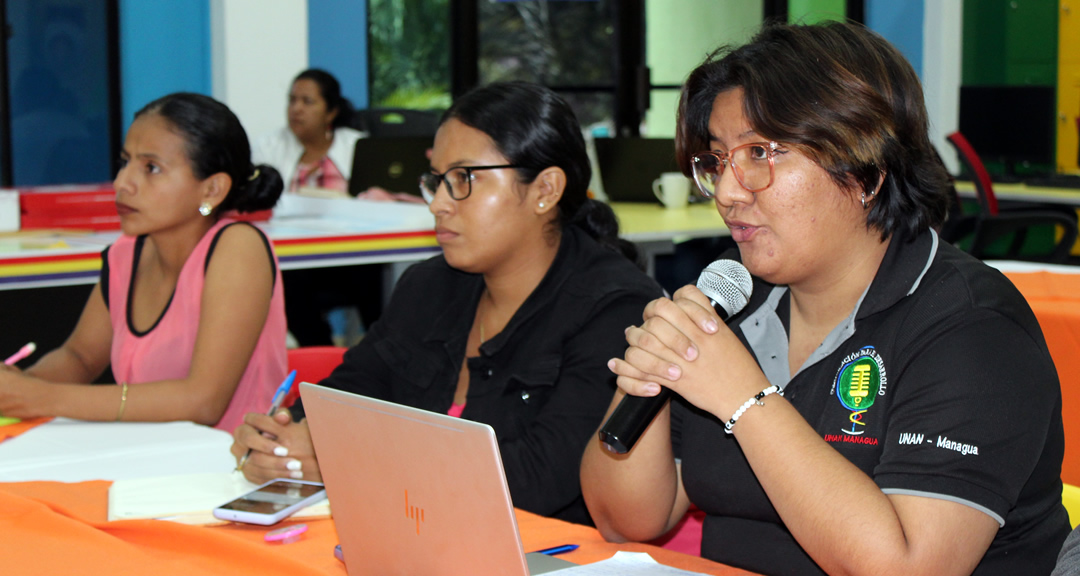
[409, 42]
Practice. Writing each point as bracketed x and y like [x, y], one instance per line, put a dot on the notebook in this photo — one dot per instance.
[394, 164]
[415, 492]
[628, 166]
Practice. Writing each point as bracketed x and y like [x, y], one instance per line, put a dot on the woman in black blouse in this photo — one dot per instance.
[513, 323]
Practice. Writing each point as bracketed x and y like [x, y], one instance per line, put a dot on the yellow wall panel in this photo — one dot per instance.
[1068, 86]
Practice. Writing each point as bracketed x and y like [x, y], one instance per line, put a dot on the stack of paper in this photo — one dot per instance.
[189, 498]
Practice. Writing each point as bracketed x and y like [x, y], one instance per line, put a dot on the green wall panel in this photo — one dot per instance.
[1010, 42]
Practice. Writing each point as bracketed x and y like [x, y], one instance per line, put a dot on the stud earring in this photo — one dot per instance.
[205, 208]
[541, 204]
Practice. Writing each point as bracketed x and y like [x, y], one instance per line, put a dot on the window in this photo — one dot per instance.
[61, 88]
[409, 51]
[567, 46]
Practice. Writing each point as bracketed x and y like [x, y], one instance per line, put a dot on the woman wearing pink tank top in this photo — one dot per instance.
[189, 310]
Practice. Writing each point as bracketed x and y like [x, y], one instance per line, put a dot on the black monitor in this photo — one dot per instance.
[1010, 126]
[628, 166]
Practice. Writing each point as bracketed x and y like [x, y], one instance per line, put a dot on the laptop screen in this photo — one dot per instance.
[394, 164]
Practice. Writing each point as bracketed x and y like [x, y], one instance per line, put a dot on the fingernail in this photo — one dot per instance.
[294, 465]
[298, 475]
[281, 451]
[691, 353]
[611, 364]
[711, 326]
[627, 330]
[652, 389]
[673, 372]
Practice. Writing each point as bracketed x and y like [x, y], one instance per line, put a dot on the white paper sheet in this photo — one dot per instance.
[626, 564]
[75, 451]
[187, 498]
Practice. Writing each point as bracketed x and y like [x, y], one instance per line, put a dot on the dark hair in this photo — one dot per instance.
[843, 96]
[536, 129]
[216, 142]
[330, 90]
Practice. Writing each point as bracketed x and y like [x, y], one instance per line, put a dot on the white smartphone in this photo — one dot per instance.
[272, 502]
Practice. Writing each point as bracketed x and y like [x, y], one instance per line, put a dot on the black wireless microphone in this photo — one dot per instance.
[728, 285]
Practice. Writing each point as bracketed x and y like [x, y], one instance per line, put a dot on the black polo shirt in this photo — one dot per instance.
[939, 384]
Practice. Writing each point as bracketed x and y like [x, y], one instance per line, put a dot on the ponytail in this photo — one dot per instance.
[598, 220]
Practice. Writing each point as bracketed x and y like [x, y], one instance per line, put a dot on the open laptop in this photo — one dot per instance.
[628, 166]
[394, 164]
[415, 492]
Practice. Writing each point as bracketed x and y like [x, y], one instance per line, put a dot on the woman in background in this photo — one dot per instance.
[512, 324]
[189, 309]
[316, 148]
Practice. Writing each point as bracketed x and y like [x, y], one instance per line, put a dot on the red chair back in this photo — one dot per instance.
[983, 185]
[312, 364]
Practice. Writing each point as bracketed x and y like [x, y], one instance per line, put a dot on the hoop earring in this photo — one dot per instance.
[205, 208]
[873, 193]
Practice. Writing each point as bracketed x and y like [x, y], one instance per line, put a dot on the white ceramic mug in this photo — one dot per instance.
[9, 210]
[672, 188]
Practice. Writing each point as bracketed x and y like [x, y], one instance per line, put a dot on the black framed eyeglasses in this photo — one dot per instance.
[752, 164]
[458, 180]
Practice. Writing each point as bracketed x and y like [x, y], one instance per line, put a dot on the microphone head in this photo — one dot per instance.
[727, 283]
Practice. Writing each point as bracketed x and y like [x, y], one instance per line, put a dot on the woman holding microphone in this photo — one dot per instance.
[885, 404]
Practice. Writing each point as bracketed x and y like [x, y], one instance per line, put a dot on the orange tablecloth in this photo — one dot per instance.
[57, 528]
[12, 430]
[1055, 299]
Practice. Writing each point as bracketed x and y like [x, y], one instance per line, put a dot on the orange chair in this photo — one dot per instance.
[312, 364]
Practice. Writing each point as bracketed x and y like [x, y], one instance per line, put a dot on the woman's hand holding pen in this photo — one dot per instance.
[20, 396]
[9, 368]
[280, 448]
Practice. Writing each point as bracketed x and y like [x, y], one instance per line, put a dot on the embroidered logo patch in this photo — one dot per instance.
[860, 380]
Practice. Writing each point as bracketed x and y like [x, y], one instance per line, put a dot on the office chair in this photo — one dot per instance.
[312, 364]
[1002, 234]
[397, 122]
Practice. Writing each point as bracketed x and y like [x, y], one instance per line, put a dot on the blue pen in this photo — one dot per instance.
[281, 393]
[279, 397]
[558, 549]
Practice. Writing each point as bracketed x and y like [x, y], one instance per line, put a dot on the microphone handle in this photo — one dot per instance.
[630, 419]
[634, 413]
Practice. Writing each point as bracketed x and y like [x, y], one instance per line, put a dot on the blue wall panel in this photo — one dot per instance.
[900, 23]
[164, 48]
[337, 43]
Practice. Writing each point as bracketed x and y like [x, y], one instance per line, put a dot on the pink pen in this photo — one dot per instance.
[22, 353]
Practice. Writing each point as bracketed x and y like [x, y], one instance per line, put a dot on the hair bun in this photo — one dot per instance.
[599, 221]
[260, 191]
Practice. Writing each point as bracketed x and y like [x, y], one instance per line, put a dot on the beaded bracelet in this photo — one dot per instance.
[123, 400]
[746, 406]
